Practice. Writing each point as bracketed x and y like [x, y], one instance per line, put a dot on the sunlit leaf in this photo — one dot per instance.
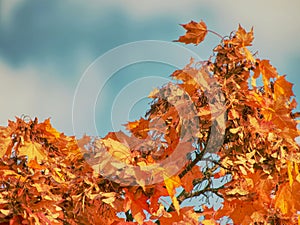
[171, 184]
[34, 151]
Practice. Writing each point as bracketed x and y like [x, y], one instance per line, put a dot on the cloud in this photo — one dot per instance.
[47, 45]
[24, 92]
[7, 10]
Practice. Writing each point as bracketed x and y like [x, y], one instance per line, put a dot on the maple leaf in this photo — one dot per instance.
[158, 192]
[33, 150]
[139, 128]
[195, 33]
[239, 211]
[283, 88]
[287, 198]
[136, 202]
[48, 129]
[267, 70]
[188, 178]
[242, 38]
[186, 216]
[278, 113]
[117, 149]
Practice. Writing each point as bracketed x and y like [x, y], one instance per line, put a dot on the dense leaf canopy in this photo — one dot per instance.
[224, 129]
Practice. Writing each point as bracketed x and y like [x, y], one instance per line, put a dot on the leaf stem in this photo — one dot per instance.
[215, 33]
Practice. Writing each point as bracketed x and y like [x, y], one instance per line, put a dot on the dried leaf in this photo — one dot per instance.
[195, 33]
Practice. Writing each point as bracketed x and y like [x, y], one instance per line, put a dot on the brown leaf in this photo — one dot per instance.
[195, 33]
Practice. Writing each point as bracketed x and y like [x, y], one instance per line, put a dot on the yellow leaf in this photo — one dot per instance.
[171, 184]
[243, 170]
[12, 173]
[117, 149]
[238, 191]
[208, 222]
[235, 130]
[248, 55]
[60, 177]
[33, 151]
[109, 197]
[153, 93]
[250, 154]
[5, 212]
[290, 168]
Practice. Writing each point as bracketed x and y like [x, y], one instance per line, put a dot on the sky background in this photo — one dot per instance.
[47, 46]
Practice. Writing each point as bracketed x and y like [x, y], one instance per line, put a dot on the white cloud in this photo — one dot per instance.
[276, 22]
[25, 91]
[7, 8]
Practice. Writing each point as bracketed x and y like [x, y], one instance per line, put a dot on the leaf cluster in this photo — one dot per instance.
[225, 128]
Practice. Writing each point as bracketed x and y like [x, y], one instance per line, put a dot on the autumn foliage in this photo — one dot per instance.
[224, 129]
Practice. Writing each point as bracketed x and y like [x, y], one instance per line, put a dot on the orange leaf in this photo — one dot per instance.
[283, 88]
[139, 128]
[187, 216]
[35, 165]
[136, 202]
[159, 191]
[5, 142]
[195, 33]
[83, 141]
[287, 198]
[242, 38]
[238, 210]
[187, 180]
[48, 129]
[266, 69]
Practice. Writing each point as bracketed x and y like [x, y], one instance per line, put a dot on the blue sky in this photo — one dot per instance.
[46, 47]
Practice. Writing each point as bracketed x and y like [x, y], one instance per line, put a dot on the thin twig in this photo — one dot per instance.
[215, 33]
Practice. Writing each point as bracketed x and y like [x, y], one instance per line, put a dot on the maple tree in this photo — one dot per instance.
[225, 129]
